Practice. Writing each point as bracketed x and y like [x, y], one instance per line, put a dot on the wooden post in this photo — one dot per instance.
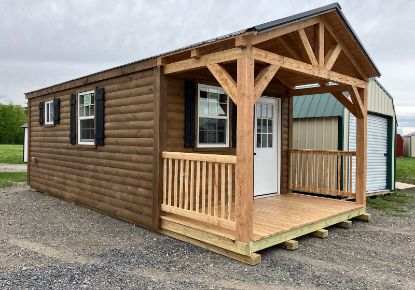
[361, 147]
[245, 148]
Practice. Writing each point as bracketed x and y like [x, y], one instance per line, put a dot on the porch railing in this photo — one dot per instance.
[200, 187]
[328, 172]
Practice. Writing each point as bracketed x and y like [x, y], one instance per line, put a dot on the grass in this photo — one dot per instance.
[8, 179]
[400, 203]
[11, 153]
[405, 169]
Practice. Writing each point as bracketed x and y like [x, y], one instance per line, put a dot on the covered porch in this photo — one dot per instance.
[208, 195]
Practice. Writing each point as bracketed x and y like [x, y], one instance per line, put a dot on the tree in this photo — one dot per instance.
[12, 117]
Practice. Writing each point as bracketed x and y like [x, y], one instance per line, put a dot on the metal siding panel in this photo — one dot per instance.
[315, 133]
[379, 100]
[377, 132]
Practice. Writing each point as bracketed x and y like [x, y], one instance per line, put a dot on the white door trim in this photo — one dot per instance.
[277, 130]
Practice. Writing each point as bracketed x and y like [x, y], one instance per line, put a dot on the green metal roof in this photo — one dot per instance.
[321, 105]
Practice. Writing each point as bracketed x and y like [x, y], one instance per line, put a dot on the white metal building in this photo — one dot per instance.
[409, 145]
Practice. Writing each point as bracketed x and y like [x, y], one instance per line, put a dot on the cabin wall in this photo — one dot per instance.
[175, 122]
[116, 178]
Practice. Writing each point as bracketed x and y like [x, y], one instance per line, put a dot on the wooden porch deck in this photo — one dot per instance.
[276, 220]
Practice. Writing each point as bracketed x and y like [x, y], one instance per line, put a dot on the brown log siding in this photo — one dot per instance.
[116, 178]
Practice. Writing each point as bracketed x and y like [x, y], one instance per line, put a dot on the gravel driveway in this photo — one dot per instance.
[49, 243]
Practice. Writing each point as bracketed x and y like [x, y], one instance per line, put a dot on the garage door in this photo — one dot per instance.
[377, 148]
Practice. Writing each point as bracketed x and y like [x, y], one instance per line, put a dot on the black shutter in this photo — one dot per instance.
[41, 113]
[234, 122]
[56, 111]
[72, 122]
[99, 117]
[189, 112]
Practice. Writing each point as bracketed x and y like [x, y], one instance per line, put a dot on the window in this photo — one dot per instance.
[213, 117]
[86, 116]
[49, 113]
[264, 125]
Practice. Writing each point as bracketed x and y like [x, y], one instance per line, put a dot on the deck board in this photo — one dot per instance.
[286, 212]
[278, 216]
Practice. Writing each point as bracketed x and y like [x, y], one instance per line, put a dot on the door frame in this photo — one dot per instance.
[278, 144]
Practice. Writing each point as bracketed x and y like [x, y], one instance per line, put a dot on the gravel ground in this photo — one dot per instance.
[49, 243]
[13, 167]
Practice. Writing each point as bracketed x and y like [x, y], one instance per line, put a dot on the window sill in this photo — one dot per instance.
[49, 125]
[86, 146]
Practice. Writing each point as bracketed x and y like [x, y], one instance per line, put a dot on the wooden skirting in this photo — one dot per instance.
[276, 220]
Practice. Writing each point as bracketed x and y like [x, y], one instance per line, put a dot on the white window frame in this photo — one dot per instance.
[47, 106]
[212, 145]
[84, 118]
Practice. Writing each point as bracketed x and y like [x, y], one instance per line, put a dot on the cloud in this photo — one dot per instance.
[47, 42]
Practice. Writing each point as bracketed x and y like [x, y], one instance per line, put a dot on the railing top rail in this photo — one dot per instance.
[231, 159]
[328, 152]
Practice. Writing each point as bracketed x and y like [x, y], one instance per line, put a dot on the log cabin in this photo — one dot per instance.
[196, 143]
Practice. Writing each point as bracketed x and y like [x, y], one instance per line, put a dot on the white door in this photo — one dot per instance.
[266, 146]
[377, 149]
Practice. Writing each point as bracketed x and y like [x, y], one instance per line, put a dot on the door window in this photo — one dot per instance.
[264, 125]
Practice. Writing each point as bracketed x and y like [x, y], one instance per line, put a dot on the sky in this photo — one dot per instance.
[47, 42]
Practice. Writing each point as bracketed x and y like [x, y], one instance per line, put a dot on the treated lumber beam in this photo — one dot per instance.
[332, 56]
[319, 43]
[361, 152]
[322, 233]
[277, 32]
[290, 245]
[225, 80]
[251, 259]
[357, 101]
[307, 47]
[204, 60]
[364, 217]
[195, 53]
[305, 68]
[345, 102]
[349, 55]
[244, 183]
[264, 78]
[319, 90]
[345, 224]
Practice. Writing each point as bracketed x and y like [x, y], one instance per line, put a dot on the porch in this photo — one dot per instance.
[209, 174]
[276, 219]
[199, 204]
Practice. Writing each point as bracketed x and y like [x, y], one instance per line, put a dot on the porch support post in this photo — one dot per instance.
[361, 148]
[245, 148]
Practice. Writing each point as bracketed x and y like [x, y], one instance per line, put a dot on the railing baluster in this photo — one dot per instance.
[338, 173]
[222, 190]
[197, 206]
[176, 173]
[204, 187]
[181, 169]
[210, 188]
[186, 185]
[216, 191]
[164, 181]
[192, 184]
[170, 181]
[230, 181]
[351, 175]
